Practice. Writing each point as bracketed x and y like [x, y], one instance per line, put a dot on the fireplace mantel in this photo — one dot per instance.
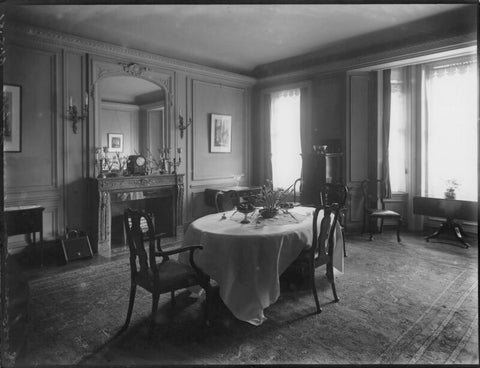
[119, 189]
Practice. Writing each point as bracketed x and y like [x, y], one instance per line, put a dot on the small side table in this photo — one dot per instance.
[25, 220]
[450, 209]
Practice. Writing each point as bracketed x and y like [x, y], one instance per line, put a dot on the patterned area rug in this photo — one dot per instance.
[410, 303]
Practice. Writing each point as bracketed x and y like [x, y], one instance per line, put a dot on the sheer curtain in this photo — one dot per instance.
[285, 137]
[398, 130]
[450, 129]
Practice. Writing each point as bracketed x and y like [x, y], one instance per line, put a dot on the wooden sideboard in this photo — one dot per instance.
[159, 195]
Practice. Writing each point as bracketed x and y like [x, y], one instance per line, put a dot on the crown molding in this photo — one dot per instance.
[22, 32]
[374, 60]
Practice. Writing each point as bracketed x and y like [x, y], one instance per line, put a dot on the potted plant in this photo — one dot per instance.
[271, 200]
[452, 185]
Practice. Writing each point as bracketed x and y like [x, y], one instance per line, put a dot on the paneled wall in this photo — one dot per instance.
[55, 164]
[214, 168]
[33, 176]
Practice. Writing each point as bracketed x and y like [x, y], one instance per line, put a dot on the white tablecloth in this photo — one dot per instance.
[246, 260]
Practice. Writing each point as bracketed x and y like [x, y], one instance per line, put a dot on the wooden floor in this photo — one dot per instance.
[54, 260]
[400, 303]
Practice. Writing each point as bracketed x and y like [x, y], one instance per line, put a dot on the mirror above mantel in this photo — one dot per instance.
[132, 116]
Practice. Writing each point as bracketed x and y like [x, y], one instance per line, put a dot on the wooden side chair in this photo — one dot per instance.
[336, 194]
[321, 251]
[165, 276]
[374, 191]
[297, 190]
[225, 201]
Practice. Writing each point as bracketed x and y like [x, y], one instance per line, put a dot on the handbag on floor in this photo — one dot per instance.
[76, 245]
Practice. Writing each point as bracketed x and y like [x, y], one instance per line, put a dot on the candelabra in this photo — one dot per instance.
[74, 115]
[169, 164]
[319, 150]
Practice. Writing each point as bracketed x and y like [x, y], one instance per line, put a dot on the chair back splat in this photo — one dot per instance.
[225, 201]
[336, 194]
[322, 249]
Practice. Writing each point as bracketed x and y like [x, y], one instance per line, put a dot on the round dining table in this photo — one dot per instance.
[247, 259]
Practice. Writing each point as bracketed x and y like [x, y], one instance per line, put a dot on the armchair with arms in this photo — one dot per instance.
[165, 276]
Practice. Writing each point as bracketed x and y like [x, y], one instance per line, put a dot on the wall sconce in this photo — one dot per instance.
[73, 114]
[181, 124]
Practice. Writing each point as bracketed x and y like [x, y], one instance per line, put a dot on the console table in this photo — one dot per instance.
[144, 192]
[25, 220]
[450, 209]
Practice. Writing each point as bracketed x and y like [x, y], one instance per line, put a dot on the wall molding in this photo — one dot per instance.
[361, 62]
[119, 106]
[22, 32]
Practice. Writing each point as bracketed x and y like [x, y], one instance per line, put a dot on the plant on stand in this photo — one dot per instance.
[452, 185]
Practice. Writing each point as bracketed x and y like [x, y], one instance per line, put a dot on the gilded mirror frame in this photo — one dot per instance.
[101, 69]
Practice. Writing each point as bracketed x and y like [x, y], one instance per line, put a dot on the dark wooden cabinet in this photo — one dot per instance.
[318, 169]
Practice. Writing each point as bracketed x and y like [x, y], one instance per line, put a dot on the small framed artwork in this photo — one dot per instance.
[12, 128]
[115, 142]
[220, 133]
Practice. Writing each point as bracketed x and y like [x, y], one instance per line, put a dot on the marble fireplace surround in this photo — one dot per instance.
[109, 191]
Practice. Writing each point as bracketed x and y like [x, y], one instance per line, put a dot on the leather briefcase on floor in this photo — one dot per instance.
[76, 246]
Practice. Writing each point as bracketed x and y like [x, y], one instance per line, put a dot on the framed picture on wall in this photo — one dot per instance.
[12, 128]
[220, 133]
[115, 142]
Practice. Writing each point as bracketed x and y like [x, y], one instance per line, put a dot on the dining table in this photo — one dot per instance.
[247, 259]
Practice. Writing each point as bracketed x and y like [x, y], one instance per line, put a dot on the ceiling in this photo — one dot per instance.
[236, 38]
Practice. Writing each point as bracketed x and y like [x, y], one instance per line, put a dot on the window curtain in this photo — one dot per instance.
[399, 129]
[285, 127]
[450, 136]
[267, 172]
[386, 132]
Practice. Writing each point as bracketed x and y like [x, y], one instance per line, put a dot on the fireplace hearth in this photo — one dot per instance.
[159, 195]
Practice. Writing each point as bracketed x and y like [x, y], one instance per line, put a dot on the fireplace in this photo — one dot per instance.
[159, 195]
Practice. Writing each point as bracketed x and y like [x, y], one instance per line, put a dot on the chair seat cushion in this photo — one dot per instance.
[384, 213]
[173, 275]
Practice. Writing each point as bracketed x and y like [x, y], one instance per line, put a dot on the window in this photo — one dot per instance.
[285, 137]
[446, 95]
[449, 128]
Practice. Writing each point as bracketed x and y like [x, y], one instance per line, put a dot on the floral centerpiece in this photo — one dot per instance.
[271, 200]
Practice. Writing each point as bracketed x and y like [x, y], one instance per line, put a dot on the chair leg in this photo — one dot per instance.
[331, 279]
[398, 229]
[334, 291]
[370, 225]
[208, 306]
[133, 289]
[314, 289]
[343, 240]
[155, 298]
[381, 225]
[172, 296]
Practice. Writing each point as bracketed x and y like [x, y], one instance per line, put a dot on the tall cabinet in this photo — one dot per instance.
[320, 167]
